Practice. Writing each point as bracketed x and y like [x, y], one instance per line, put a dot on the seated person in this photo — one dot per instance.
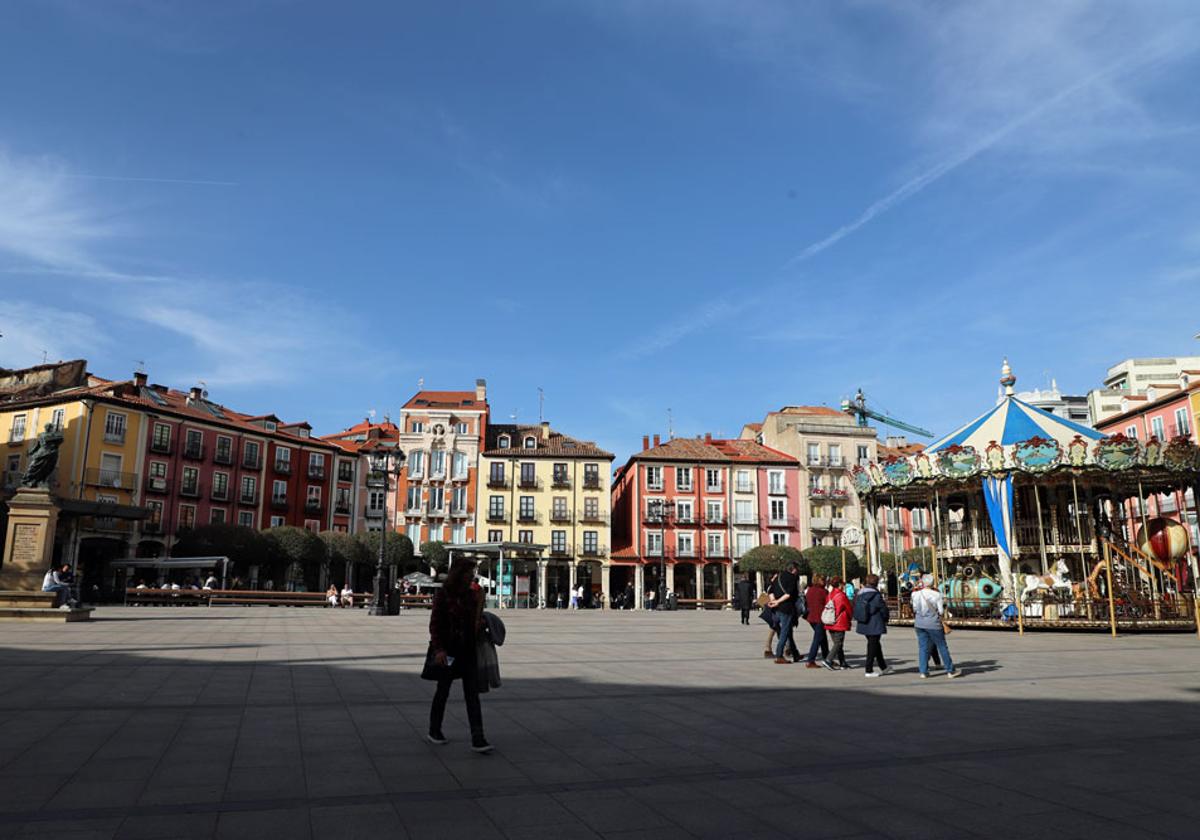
[331, 595]
[210, 582]
[57, 580]
[347, 595]
[141, 585]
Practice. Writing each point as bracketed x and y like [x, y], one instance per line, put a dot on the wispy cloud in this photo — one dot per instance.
[198, 182]
[33, 331]
[705, 316]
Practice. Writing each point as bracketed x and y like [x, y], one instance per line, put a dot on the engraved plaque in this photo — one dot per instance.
[26, 544]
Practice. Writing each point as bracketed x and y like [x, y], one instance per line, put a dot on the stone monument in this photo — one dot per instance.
[32, 518]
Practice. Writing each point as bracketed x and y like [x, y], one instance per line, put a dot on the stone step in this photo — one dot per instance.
[45, 614]
[17, 598]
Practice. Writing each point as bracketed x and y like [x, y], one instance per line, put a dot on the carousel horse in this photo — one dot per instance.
[1057, 582]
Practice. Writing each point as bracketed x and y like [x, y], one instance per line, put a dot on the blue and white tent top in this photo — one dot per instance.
[1013, 421]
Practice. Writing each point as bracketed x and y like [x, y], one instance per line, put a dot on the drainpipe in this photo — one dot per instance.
[89, 407]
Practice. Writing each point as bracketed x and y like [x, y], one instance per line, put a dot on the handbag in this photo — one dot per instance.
[946, 628]
[829, 614]
[433, 671]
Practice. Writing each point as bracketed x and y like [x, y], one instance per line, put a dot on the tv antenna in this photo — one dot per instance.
[670, 426]
[541, 405]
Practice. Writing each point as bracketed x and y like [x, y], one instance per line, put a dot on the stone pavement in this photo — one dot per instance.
[297, 723]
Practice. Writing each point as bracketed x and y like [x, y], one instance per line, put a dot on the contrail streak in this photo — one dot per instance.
[194, 182]
[921, 181]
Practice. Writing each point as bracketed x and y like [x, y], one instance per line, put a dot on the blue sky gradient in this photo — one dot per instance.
[715, 208]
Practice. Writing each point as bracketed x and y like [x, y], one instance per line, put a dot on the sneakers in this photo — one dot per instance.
[824, 664]
[437, 738]
[871, 674]
[65, 607]
[888, 670]
[480, 745]
[951, 675]
[923, 676]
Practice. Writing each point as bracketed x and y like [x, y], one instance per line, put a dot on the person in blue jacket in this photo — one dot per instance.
[871, 615]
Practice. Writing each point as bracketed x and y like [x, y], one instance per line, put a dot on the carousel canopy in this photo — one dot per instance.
[1013, 421]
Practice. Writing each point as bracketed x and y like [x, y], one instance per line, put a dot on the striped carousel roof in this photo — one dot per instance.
[1013, 421]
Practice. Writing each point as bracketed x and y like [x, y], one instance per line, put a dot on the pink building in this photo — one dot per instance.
[685, 510]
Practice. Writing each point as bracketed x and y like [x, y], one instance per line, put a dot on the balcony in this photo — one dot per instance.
[110, 478]
[190, 489]
[687, 520]
[376, 478]
[528, 517]
[592, 482]
[152, 526]
[817, 492]
[312, 505]
[655, 551]
[413, 509]
[161, 446]
[745, 519]
[316, 471]
[654, 516]
[496, 516]
[820, 523]
[686, 553]
[193, 452]
[653, 486]
[839, 495]
[777, 490]
[594, 517]
[114, 435]
[219, 494]
[283, 467]
[251, 462]
[560, 550]
[342, 508]
[715, 519]
[714, 489]
[436, 512]
[923, 527]
[497, 482]
[250, 498]
[560, 482]
[716, 552]
[560, 515]
[838, 523]
[373, 512]
[279, 502]
[345, 473]
[593, 551]
[529, 482]
[743, 487]
[156, 485]
[459, 513]
[223, 455]
[781, 522]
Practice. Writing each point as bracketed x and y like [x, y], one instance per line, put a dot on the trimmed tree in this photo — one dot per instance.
[435, 554]
[826, 560]
[399, 550]
[300, 547]
[770, 558]
[245, 547]
[341, 549]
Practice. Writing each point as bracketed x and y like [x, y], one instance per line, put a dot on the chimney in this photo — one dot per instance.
[139, 378]
[708, 437]
[657, 442]
[194, 394]
[545, 430]
[645, 442]
[481, 389]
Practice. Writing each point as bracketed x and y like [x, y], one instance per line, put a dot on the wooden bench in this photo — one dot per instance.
[703, 603]
[166, 597]
[270, 597]
[416, 601]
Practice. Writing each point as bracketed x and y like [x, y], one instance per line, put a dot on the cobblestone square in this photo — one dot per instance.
[298, 723]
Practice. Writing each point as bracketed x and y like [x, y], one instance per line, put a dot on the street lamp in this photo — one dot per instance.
[664, 512]
[386, 460]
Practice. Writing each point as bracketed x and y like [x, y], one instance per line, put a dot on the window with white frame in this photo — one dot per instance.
[835, 454]
[110, 470]
[779, 538]
[778, 510]
[458, 501]
[864, 454]
[413, 532]
[654, 478]
[220, 485]
[1131, 432]
[17, 432]
[375, 500]
[224, 453]
[283, 459]
[530, 442]
[437, 499]
[417, 427]
[437, 463]
[714, 512]
[416, 463]
[714, 544]
[460, 464]
[413, 499]
[278, 491]
[461, 428]
[314, 494]
[246, 518]
[503, 442]
[458, 534]
[56, 419]
[1183, 426]
[775, 483]
[814, 453]
[216, 516]
[1156, 427]
[160, 438]
[685, 544]
[683, 479]
[316, 464]
[654, 544]
[114, 427]
[12, 471]
[249, 489]
[743, 512]
[683, 511]
[742, 542]
[187, 516]
[712, 480]
[744, 484]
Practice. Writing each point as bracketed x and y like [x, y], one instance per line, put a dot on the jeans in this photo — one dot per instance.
[786, 621]
[837, 641]
[820, 642]
[61, 590]
[470, 697]
[875, 653]
[928, 640]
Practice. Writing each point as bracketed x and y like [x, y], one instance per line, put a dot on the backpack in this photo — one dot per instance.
[829, 614]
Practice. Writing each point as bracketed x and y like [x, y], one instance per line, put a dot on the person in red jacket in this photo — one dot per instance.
[842, 612]
[815, 597]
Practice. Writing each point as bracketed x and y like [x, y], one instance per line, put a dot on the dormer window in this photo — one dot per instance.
[531, 442]
[503, 442]
[269, 425]
[303, 433]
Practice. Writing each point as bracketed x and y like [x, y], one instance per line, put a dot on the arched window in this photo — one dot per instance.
[503, 442]
[531, 442]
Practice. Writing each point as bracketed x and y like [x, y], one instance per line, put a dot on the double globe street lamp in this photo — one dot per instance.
[387, 460]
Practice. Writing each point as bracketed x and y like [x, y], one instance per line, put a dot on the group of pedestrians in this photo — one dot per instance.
[831, 611]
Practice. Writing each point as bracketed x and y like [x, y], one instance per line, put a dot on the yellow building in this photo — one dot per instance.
[539, 486]
[97, 482]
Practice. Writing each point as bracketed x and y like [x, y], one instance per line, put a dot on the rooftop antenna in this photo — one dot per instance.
[421, 384]
[670, 426]
[141, 365]
[513, 416]
[371, 414]
[541, 404]
[45, 357]
[203, 388]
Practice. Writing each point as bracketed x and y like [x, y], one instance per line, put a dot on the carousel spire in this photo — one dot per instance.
[1007, 379]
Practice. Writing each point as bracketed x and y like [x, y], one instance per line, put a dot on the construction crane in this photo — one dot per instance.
[857, 408]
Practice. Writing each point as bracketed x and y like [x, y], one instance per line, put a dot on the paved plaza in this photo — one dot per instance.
[298, 723]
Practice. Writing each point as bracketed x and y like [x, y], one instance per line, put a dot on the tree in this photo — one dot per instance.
[770, 558]
[245, 547]
[435, 554]
[341, 548]
[399, 547]
[826, 560]
[298, 547]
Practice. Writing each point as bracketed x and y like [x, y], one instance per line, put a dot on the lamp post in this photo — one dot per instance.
[383, 457]
[664, 512]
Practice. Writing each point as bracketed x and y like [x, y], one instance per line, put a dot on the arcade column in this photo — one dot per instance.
[541, 567]
[670, 577]
[699, 581]
[605, 589]
[639, 587]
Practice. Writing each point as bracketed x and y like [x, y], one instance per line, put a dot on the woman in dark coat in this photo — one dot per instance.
[871, 613]
[454, 626]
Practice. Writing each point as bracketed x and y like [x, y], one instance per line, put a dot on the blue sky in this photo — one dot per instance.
[715, 208]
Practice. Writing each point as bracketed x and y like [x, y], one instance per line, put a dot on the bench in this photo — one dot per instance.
[703, 603]
[278, 598]
[169, 597]
[416, 601]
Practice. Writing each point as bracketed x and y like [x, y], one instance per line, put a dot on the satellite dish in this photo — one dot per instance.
[852, 536]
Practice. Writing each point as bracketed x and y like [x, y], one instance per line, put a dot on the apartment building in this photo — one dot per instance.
[542, 487]
[826, 443]
[686, 509]
[441, 434]
[1133, 377]
[362, 492]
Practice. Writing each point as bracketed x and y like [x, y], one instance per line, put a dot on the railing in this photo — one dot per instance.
[781, 522]
[687, 520]
[245, 498]
[162, 447]
[529, 482]
[316, 471]
[496, 516]
[594, 517]
[342, 508]
[560, 515]
[526, 516]
[820, 523]
[497, 481]
[223, 455]
[193, 452]
[279, 502]
[746, 487]
[219, 494]
[560, 550]
[838, 522]
[345, 474]
[560, 482]
[191, 489]
[817, 492]
[836, 461]
[686, 552]
[376, 478]
[459, 512]
[839, 494]
[592, 482]
[713, 488]
[312, 505]
[283, 467]
[373, 512]
[110, 478]
[593, 551]
[655, 486]
[716, 553]
[114, 437]
[685, 488]
[777, 490]
[438, 512]
[251, 463]
[745, 519]
[714, 519]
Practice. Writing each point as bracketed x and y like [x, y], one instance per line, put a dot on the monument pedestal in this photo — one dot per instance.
[29, 542]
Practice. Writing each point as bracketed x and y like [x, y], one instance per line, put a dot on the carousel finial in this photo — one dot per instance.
[1006, 378]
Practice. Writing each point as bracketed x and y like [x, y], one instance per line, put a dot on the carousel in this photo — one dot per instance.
[1038, 522]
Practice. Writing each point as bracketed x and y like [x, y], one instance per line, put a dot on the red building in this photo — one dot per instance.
[685, 510]
[359, 491]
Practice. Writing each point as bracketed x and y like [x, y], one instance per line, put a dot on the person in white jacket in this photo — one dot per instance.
[928, 609]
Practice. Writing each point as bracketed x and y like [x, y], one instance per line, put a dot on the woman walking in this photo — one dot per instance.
[454, 627]
[815, 597]
[837, 606]
[871, 613]
[928, 610]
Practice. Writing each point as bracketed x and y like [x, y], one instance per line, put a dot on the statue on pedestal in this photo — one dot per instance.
[43, 458]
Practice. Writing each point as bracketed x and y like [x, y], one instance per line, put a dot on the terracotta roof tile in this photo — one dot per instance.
[716, 450]
[446, 400]
[557, 445]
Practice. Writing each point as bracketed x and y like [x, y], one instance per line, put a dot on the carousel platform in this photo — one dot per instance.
[38, 606]
[1081, 625]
